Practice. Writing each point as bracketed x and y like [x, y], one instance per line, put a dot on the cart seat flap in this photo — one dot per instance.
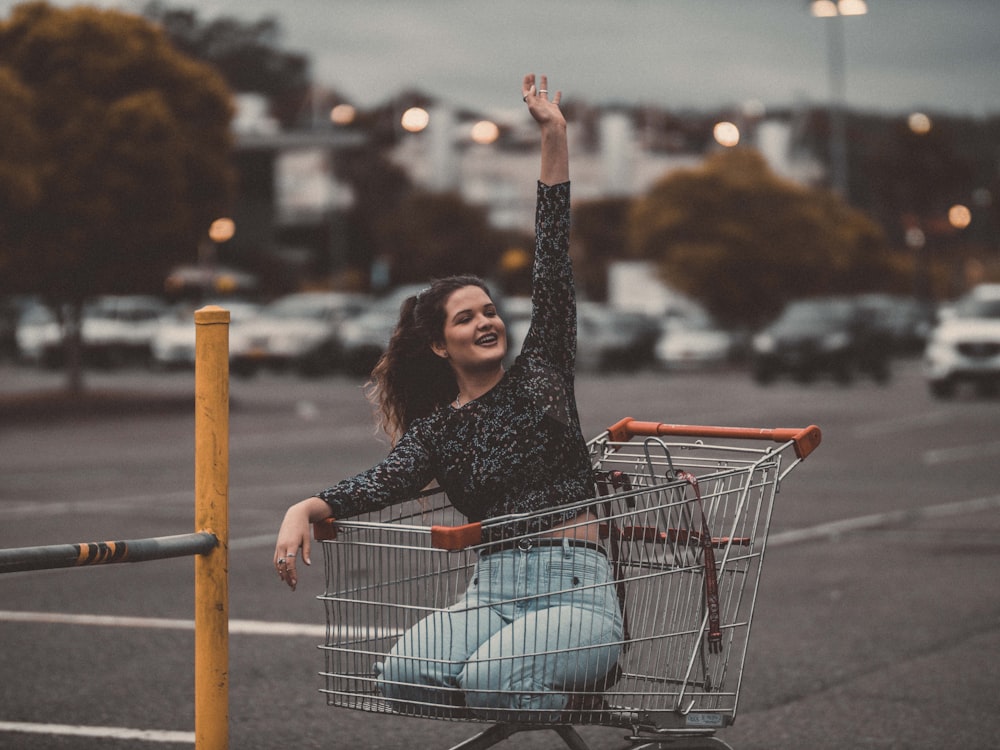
[325, 530]
[454, 538]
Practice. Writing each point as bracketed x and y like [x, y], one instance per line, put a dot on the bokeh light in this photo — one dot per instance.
[515, 259]
[485, 132]
[852, 7]
[222, 230]
[831, 8]
[959, 216]
[415, 119]
[919, 123]
[915, 238]
[726, 134]
[343, 114]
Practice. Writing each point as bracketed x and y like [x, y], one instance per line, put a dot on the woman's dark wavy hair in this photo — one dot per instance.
[410, 380]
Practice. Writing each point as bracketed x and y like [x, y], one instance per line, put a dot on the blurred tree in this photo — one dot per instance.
[129, 165]
[246, 54]
[437, 234]
[743, 241]
[918, 168]
[599, 237]
[21, 166]
[379, 187]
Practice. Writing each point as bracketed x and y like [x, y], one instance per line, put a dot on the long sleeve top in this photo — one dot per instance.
[519, 447]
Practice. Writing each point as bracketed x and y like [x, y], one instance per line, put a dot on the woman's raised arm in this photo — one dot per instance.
[555, 149]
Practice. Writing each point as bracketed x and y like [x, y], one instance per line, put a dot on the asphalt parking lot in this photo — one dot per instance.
[877, 625]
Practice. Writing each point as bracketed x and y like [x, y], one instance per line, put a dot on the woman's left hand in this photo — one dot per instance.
[294, 536]
[542, 108]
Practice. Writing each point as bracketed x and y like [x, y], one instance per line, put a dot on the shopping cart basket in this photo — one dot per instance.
[684, 513]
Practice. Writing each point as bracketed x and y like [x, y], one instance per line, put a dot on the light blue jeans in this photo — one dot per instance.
[531, 625]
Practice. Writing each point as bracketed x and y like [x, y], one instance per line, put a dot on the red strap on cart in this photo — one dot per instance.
[711, 576]
[619, 480]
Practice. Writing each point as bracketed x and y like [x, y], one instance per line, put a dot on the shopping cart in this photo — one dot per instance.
[684, 515]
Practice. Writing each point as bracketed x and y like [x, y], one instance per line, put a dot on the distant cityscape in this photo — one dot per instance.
[611, 157]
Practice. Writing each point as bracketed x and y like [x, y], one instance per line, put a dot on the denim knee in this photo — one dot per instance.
[409, 679]
[485, 697]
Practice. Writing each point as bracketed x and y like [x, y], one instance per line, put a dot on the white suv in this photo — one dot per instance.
[965, 345]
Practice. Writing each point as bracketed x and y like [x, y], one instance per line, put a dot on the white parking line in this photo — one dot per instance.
[110, 733]
[889, 518]
[176, 499]
[236, 627]
[957, 453]
[903, 423]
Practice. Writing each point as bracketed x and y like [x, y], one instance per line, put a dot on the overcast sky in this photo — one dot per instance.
[905, 55]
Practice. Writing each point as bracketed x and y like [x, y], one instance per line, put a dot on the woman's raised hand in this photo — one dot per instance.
[543, 107]
[545, 110]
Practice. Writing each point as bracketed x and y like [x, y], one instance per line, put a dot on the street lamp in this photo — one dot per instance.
[835, 11]
[415, 119]
[726, 134]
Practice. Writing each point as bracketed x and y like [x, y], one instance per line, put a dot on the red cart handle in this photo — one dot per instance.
[806, 439]
[451, 538]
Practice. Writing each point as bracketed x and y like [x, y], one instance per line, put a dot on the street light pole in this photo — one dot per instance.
[838, 93]
[834, 13]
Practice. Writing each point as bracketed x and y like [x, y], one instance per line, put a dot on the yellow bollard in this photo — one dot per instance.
[211, 479]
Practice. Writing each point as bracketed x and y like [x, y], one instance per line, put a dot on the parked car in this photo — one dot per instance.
[363, 339]
[299, 331]
[11, 310]
[812, 337]
[607, 339]
[173, 343]
[905, 321]
[516, 315]
[965, 345]
[114, 330]
[693, 344]
[612, 339]
[39, 337]
[118, 330]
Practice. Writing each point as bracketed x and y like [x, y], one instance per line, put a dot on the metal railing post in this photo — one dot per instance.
[211, 616]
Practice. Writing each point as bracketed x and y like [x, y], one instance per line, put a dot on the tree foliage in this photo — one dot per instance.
[599, 237]
[437, 234]
[21, 167]
[130, 157]
[122, 154]
[737, 237]
[246, 54]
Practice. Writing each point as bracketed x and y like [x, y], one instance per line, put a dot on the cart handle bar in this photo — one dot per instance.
[456, 538]
[806, 439]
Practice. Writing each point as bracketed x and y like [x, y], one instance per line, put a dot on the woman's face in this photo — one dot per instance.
[474, 336]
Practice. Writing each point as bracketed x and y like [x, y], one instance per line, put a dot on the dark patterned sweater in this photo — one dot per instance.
[517, 448]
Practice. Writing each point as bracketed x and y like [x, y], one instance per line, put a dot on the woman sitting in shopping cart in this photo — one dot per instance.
[538, 620]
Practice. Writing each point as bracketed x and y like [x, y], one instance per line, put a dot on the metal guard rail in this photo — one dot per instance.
[20, 559]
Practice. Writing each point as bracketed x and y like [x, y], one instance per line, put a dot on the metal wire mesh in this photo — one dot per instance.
[384, 576]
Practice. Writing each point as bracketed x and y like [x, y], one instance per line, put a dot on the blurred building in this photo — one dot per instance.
[291, 199]
[290, 203]
[611, 157]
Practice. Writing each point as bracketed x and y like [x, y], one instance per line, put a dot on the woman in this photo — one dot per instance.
[498, 442]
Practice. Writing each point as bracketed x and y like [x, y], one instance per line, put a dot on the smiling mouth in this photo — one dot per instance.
[489, 338]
